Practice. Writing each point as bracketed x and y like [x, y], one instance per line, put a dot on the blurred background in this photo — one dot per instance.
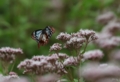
[19, 18]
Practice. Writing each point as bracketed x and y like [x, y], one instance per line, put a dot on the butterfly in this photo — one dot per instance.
[42, 36]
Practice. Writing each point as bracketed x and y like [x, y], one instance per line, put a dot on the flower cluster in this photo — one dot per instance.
[76, 40]
[112, 27]
[71, 61]
[56, 47]
[63, 36]
[88, 34]
[93, 55]
[106, 17]
[61, 56]
[8, 54]
[12, 77]
[94, 73]
[115, 55]
[49, 78]
[53, 63]
[108, 43]
[107, 38]
[43, 64]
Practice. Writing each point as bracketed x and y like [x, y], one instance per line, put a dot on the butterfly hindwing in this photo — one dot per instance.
[49, 31]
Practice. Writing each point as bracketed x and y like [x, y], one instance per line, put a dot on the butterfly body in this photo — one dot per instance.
[42, 36]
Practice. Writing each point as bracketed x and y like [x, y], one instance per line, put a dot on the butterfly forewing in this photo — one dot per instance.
[48, 32]
[38, 34]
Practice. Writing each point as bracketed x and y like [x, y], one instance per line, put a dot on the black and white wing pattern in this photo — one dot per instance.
[43, 35]
[49, 31]
[37, 34]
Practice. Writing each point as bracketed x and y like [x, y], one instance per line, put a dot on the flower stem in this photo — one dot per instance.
[12, 66]
[1, 67]
[70, 75]
[32, 77]
[85, 47]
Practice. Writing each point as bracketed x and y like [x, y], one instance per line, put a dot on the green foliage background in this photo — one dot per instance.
[19, 18]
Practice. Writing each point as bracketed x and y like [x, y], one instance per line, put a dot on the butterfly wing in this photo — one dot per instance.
[49, 31]
[37, 35]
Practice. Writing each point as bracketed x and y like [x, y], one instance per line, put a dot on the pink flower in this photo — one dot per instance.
[88, 34]
[115, 55]
[93, 73]
[106, 17]
[93, 54]
[112, 27]
[75, 42]
[48, 78]
[55, 47]
[12, 73]
[108, 43]
[70, 61]
[8, 54]
[43, 64]
[77, 34]
[38, 58]
[11, 50]
[62, 55]
[63, 36]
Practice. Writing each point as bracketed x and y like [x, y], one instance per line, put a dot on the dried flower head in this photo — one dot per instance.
[55, 47]
[93, 55]
[8, 54]
[63, 36]
[106, 17]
